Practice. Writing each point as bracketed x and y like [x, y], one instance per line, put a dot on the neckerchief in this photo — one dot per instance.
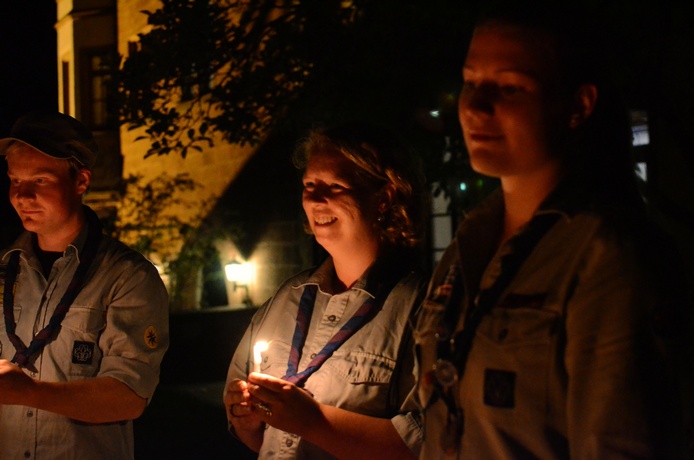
[363, 315]
[24, 353]
[453, 350]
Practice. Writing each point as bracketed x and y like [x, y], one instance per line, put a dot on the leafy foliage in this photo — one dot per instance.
[241, 68]
[228, 65]
[147, 222]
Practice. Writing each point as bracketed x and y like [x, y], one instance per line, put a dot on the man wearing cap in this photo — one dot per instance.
[85, 319]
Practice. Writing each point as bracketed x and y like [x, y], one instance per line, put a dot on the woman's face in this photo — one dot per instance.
[510, 107]
[341, 209]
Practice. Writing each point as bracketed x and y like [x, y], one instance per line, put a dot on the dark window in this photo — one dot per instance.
[65, 70]
[99, 66]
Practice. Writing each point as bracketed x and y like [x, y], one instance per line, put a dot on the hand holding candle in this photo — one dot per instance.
[258, 348]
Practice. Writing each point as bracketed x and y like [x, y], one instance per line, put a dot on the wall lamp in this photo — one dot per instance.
[240, 276]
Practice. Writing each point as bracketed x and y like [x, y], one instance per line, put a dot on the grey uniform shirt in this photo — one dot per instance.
[116, 327]
[370, 374]
[566, 364]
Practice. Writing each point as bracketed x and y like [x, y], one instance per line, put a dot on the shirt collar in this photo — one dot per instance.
[384, 270]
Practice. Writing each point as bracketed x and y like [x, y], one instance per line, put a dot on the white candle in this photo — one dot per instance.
[258, 348]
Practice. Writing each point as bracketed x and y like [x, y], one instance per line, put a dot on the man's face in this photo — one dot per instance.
[44, 192]
[510, 108]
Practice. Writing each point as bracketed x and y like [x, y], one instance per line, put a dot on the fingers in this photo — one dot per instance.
[240, 410]
[266, 387]
[267, 380]
[236, 392]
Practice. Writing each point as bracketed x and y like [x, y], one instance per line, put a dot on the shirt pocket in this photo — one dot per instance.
[522, 342]
[359, 367]
[357, 381]
[79, 337]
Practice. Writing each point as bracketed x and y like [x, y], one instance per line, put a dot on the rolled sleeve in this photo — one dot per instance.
[408, 427]
[137, 330]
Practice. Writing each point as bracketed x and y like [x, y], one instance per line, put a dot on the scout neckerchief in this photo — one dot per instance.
[453, 350]
[363, 315]
[86, 256]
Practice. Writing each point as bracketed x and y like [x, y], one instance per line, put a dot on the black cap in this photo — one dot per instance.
[54, 134]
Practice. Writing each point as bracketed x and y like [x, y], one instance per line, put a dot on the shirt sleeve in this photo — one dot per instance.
[408, 427]
[618, 388]
[137, 327]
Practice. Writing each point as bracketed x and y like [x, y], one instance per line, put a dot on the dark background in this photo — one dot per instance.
[28, 78]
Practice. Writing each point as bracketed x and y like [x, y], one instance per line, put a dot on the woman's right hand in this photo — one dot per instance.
[247, 426]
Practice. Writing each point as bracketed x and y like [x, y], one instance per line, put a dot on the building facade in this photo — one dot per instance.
[93, 36]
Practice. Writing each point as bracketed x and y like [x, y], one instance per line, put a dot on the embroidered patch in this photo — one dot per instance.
[499, 388]
[82, 352]
[151, 337]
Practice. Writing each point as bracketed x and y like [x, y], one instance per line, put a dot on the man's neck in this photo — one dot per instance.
[60, 240]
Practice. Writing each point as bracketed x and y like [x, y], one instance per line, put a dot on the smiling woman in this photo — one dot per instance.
[338, 365]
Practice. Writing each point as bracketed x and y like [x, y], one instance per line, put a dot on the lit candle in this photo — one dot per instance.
[258, 348]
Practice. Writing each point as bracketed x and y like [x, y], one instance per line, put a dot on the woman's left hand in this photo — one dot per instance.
[286, 406]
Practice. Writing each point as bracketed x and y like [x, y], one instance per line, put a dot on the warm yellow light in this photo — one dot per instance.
[240, 273]
[258, 348]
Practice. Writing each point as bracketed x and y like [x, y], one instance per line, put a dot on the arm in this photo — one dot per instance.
[618, 388]
[342, 433]
[98, 400]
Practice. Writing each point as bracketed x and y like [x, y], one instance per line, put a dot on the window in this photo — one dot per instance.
[97, 111]
[65, 71]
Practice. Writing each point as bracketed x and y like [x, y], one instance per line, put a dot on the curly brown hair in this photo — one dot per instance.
[380, 159]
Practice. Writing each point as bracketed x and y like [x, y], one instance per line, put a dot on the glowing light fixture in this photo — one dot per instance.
[240, 275]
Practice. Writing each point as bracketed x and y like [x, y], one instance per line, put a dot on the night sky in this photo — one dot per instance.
[27, 58]
[28, 78]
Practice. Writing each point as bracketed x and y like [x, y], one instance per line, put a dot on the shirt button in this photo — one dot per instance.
[27, 454]
[289, 443]
[313, 355]
[332, 318]
[33, 374]
[30, 413]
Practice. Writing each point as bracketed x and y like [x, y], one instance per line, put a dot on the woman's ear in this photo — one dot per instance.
[386, 197]
[583, 104]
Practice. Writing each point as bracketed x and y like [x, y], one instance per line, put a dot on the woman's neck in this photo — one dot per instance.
[522, 198]
[350, 267]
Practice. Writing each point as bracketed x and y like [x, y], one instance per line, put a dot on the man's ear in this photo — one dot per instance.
[583, 104]
[84, 178]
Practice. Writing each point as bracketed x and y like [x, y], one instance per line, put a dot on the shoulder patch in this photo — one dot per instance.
[151, 337]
